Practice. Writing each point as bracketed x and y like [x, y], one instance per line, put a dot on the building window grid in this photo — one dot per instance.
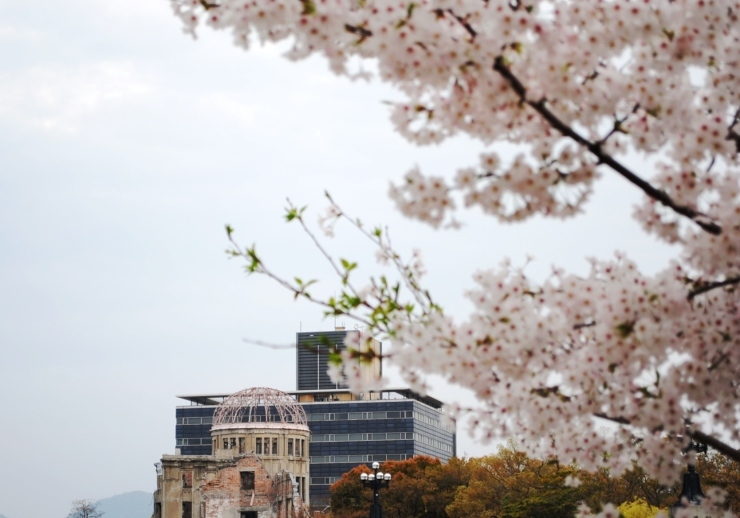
[351, 459]
[186, 421]
[351, 437]
[323, 481]
[359, 416]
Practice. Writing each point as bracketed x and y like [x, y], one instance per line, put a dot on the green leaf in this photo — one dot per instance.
[625, 329]
[309, 7]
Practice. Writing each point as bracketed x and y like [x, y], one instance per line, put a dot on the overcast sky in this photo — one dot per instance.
[125, 146]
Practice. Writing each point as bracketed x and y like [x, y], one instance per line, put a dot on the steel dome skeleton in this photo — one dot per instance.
[243, 407]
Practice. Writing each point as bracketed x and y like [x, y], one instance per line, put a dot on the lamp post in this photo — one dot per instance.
[375, 481]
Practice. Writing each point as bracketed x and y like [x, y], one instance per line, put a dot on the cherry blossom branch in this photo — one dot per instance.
[697, 435]
[715, 443]
[731, 133]
[596, 149]
[713, 285]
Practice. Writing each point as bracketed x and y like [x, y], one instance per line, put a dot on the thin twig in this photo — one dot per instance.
[462, 21]
[297, 291]
[709, 440]
[576, 327]
[718, 445]
[410, 283]
[713, 285]
[658, 195]
[731, 133]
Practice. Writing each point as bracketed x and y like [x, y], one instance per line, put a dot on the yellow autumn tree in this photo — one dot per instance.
[638, 508]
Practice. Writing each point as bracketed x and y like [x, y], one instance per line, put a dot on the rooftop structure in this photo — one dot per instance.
[258, 405]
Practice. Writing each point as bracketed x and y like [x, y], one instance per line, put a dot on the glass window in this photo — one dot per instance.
[267, 445]
[258, 446]
[275, 446]
[290, 446]
[206, 420]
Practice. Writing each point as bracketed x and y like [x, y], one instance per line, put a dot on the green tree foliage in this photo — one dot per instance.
[510, 484]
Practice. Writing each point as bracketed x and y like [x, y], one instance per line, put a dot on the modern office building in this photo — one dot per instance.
[346, 429]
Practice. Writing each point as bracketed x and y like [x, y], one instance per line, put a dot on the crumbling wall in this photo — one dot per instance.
[225, 498]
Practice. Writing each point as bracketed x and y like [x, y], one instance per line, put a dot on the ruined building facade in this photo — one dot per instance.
[346, 429]
[258, 467]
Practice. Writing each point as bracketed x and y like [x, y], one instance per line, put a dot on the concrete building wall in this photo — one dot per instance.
[208, 487]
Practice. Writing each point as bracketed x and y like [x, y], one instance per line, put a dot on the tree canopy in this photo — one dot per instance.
[576, 86]
[510, 484]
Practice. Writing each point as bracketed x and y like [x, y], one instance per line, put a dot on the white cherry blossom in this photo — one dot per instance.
[574, 85]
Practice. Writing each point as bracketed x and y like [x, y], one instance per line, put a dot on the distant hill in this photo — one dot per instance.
[136, 504]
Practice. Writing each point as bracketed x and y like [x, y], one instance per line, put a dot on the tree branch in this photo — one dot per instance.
[722, 447]
[731, 133]
[713, 285]
[596, 149]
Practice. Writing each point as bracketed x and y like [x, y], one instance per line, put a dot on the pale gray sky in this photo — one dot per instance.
[125, 147]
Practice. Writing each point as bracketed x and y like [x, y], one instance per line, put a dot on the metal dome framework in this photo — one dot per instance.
[259, 405]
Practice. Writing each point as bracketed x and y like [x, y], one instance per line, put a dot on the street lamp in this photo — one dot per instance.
[375, 481]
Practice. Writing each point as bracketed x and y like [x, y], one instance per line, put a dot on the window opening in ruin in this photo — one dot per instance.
[248, 514]
[274, 446]
[187, 479]
[258, 446]
[158, 510]
[187, 510]
[232, 444]
[241, 444]
[226, 444]
[290, 446]
[247, 479]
